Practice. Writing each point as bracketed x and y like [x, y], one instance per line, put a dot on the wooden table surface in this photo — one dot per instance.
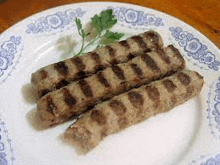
[204, 15]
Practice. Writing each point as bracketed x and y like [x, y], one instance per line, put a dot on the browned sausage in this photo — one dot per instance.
[60, 74]
[132, 107]
[57, 106]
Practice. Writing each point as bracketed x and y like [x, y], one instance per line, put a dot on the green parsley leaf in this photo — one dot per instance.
[107, 41]
[79, 27]
[78, 23]
[103, 22]
[96, 22]
[110, 23]
[84, 34]
[113, 35]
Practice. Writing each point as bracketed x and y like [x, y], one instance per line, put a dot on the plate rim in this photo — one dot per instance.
[105, 3]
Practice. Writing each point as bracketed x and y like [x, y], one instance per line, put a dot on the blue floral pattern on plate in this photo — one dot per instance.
[3, 160]
[129, 16]
[212, 161]
[54, 21]
[5, 146]
[213, 109]
[136, 17]
[206, 160]
[7, 53]
[216, 110]
[194, 48]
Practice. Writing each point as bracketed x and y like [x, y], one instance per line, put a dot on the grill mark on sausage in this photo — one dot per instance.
[99, 117]
[184, 78]
[137, 70]
[147, 50]
[61, 68]
[130, 56]
[118, 72]
[111, 51]
[122, 122]
[150, 62]
[136, 99]
[140, 41]
[96, 58]
[77, 61]
[61, 84]
[125, 44]
[102, 79]
[198, 75]
[50, 105]
[153, 93]
[118, 107]
[81, 74]
[43, 74]
[178, 55]
[84, 86]
[68, 98]
[152, 37]
[169, 85]
[114, 62]
[43, 92]
[176, 51]
[99, 67]
[163, 56]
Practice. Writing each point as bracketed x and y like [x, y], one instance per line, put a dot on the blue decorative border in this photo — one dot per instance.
[8, 49]
[5, 146]
[194, 48]
[209, 114]
[54, 21]
[136, 17]
[216, 111]
[206, 160]
[196, 161]
[213, 110]
[212, 161]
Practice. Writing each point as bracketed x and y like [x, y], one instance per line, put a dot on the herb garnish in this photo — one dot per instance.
[102, 23]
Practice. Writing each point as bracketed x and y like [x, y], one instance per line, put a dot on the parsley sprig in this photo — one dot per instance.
[81, 33]
[102, 23]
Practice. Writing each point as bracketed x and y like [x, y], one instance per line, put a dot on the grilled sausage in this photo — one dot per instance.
[60, 74]
[57, 106]
[132, 107]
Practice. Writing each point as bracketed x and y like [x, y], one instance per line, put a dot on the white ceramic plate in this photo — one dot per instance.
[188, 134]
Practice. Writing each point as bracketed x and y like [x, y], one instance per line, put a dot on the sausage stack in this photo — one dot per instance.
[113, 87]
